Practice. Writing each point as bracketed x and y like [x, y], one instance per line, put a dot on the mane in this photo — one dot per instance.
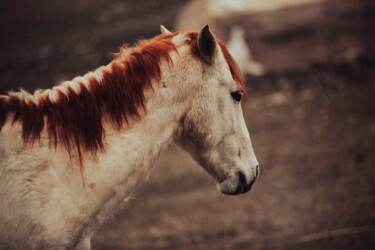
[73, 112]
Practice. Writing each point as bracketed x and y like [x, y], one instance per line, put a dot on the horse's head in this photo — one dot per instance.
[213, 130]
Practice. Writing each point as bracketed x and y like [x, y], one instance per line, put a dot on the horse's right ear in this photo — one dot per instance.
[164, 30]
[206, 44]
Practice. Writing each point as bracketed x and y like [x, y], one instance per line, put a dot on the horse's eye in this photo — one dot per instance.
[237, 95]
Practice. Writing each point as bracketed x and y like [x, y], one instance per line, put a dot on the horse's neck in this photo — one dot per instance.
[129, 155]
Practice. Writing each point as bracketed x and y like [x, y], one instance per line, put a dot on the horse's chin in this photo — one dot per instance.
[235, 184]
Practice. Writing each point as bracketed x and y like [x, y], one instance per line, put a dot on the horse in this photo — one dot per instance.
[71, 155]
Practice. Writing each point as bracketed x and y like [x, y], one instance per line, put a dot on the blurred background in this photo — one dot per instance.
[309, 67]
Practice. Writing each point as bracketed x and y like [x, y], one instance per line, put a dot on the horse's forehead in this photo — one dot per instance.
[222, 72]
[225, 70]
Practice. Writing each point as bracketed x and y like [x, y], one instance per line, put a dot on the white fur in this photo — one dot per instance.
[53, 97]
[164, 30]
[43, 201]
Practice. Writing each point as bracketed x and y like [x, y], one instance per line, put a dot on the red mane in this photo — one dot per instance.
[75, 119]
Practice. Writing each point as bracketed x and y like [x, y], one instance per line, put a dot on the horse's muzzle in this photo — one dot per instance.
[237, 184]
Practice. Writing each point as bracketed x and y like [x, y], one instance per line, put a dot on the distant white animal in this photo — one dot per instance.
[239, 49]
[70, 155]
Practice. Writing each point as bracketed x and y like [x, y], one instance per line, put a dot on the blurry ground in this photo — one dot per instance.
[313, 132]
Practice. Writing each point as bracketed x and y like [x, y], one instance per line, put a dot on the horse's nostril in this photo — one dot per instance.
[243, 181]
[246, 187]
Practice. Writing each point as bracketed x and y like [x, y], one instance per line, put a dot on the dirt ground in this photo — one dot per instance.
[313, 132]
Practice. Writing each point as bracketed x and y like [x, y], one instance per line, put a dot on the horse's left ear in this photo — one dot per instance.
[164, 30]
[206, 44]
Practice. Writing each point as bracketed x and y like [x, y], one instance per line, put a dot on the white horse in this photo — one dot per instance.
[71, 155]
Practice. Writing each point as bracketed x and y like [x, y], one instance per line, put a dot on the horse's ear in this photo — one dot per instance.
[164, 30]
[206, 44]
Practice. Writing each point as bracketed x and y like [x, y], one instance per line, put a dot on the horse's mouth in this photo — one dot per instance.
[236, 184]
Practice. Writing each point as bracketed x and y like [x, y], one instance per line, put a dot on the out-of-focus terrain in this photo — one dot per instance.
[312, 128]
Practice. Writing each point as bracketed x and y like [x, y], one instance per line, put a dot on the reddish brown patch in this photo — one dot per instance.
[76, 121]
[193, 42]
